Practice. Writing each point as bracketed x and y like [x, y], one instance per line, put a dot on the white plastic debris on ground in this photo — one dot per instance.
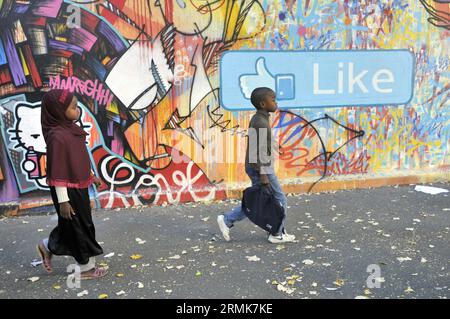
[430, 190]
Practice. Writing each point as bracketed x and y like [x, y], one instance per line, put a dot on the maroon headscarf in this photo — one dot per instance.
[68, 162]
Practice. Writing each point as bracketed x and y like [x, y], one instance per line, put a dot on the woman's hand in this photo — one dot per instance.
[98, 181]
[264, 179]
[66, 210]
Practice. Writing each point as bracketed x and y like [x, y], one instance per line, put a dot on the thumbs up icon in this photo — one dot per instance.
[282, 84]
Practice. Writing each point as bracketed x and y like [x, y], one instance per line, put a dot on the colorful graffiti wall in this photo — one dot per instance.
[146, 74]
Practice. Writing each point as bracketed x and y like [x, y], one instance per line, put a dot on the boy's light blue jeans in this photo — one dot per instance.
[237, 214]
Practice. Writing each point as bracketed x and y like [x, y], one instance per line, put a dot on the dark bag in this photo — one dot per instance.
[261, 207]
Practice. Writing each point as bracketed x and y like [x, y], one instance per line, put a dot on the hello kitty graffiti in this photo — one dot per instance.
[27, 135]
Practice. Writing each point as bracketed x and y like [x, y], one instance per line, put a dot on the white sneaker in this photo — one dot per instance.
[283, 238]
[223, 227]
[291, 237]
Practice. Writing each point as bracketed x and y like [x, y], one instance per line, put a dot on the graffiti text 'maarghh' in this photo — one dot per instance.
[92, 89]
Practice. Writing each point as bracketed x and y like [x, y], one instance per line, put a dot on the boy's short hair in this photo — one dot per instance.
[258, 95]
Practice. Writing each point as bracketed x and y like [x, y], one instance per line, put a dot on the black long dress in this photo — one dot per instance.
[75, 237]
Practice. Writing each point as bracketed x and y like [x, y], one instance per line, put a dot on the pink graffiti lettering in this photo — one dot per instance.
[92, 89]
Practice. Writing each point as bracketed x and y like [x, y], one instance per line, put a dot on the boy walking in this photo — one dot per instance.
[259, 162]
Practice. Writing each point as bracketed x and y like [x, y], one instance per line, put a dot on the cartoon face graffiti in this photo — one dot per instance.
[27, 133]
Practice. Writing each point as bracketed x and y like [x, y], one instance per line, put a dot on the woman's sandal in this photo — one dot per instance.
[46, 257]
[97, 272]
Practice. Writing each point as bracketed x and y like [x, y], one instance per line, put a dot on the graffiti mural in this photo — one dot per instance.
[147, 77]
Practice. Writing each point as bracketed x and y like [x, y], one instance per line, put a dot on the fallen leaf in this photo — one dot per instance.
[35, 263]
[367, 292]
[253, 258]
[140, 241]
[409, 290]
[339, 282]
[423, 260]
[119, 275]
[307, 262]
[33, 279]
[102, 296]
[136, 257]
[198, 273]
[287, 290]
[140, 285]
[361, 297]
[57, 287]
